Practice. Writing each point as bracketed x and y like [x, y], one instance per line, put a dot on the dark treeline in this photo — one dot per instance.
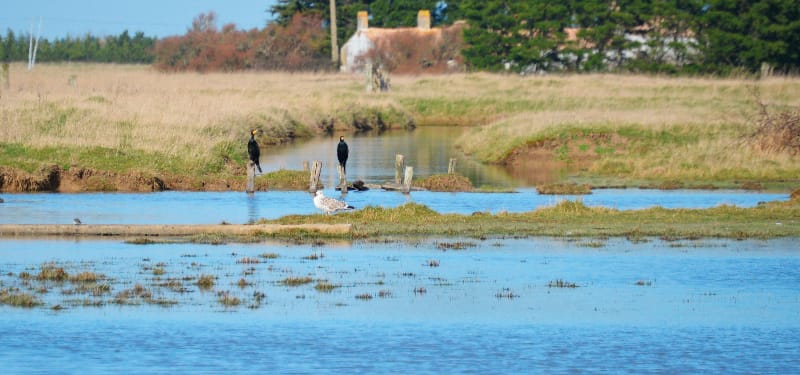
[689, 36]
[124, 48]
[666, 36]
[528, 36]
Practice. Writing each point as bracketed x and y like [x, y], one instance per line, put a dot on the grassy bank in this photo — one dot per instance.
[572, 219]
[635, 130]
[618, 130]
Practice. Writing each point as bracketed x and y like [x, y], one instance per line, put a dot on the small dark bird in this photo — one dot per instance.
[76, 221]
[253, 151]
[342, 151]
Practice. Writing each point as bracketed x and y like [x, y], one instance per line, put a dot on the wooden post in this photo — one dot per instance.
[4, 76]
[342, 179]
[305, 165]
[250, 187]
[451, 168]
[407, 180]
[399, 164]
[316, 169]
[334, 42]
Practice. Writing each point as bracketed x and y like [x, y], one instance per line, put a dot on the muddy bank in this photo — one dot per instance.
[166, 230]
[75, 179]
[546, 161]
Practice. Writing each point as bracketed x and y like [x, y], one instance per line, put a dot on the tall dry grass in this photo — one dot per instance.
[137, 109]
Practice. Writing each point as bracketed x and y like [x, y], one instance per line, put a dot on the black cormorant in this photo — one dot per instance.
[342, 151]
[253, 151]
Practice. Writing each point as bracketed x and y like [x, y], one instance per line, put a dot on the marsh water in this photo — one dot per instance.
[432, 305]
[372, 156]
[239, 208]
[424, 306]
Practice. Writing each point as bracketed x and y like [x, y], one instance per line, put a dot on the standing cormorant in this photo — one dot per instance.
[342, 151]
[253, 151]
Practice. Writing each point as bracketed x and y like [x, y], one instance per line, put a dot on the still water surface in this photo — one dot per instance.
[705, 306]
[238, 207]
[372, 156]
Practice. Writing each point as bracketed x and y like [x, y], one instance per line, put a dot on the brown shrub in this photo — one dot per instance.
[777, 132]
[446, 182]
[411, 51]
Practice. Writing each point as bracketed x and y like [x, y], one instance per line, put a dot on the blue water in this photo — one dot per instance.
[238, 207]
[707, 306]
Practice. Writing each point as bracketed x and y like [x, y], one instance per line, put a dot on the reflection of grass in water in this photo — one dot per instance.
[592, 244]
[457, 245]
[140, 241]
[269, 255]
[559, 283]
[324, 286]
[564, 189]
[226, 299]
[364, 296]
[314, 256]
[506, 293]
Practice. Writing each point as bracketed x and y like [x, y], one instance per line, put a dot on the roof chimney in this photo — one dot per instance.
[363, 21]
[424, 20]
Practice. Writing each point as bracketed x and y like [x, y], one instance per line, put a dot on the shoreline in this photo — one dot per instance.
[103, 230]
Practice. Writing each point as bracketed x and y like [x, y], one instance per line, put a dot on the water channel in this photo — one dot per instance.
[372, 156]
[432, 305]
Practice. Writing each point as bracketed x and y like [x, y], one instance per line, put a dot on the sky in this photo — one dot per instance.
[156, 18]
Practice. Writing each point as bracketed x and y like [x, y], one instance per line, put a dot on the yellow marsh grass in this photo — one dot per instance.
[135, 107]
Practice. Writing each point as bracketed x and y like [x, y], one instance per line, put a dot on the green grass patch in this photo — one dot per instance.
[52, 272]
[445, 182]
[206, 282]
[570, 218]
[564, 189]
[296, 281]
[15, 298]
[283, 179]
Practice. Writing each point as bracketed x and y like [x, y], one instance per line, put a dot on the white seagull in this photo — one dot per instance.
[76, 221]
[330, 205]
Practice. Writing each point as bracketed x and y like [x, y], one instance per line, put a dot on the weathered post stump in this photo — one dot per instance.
[316, 169]
[305, 165]
[342, 179]
[407, 179]
[451, 167]
[399, 165]
[250, 187]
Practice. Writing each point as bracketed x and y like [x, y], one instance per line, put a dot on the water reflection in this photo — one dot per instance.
[691, 306]
[239, 207]
[252, 208]
[372, 156]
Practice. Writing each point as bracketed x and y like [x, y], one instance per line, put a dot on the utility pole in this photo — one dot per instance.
[334, 43]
